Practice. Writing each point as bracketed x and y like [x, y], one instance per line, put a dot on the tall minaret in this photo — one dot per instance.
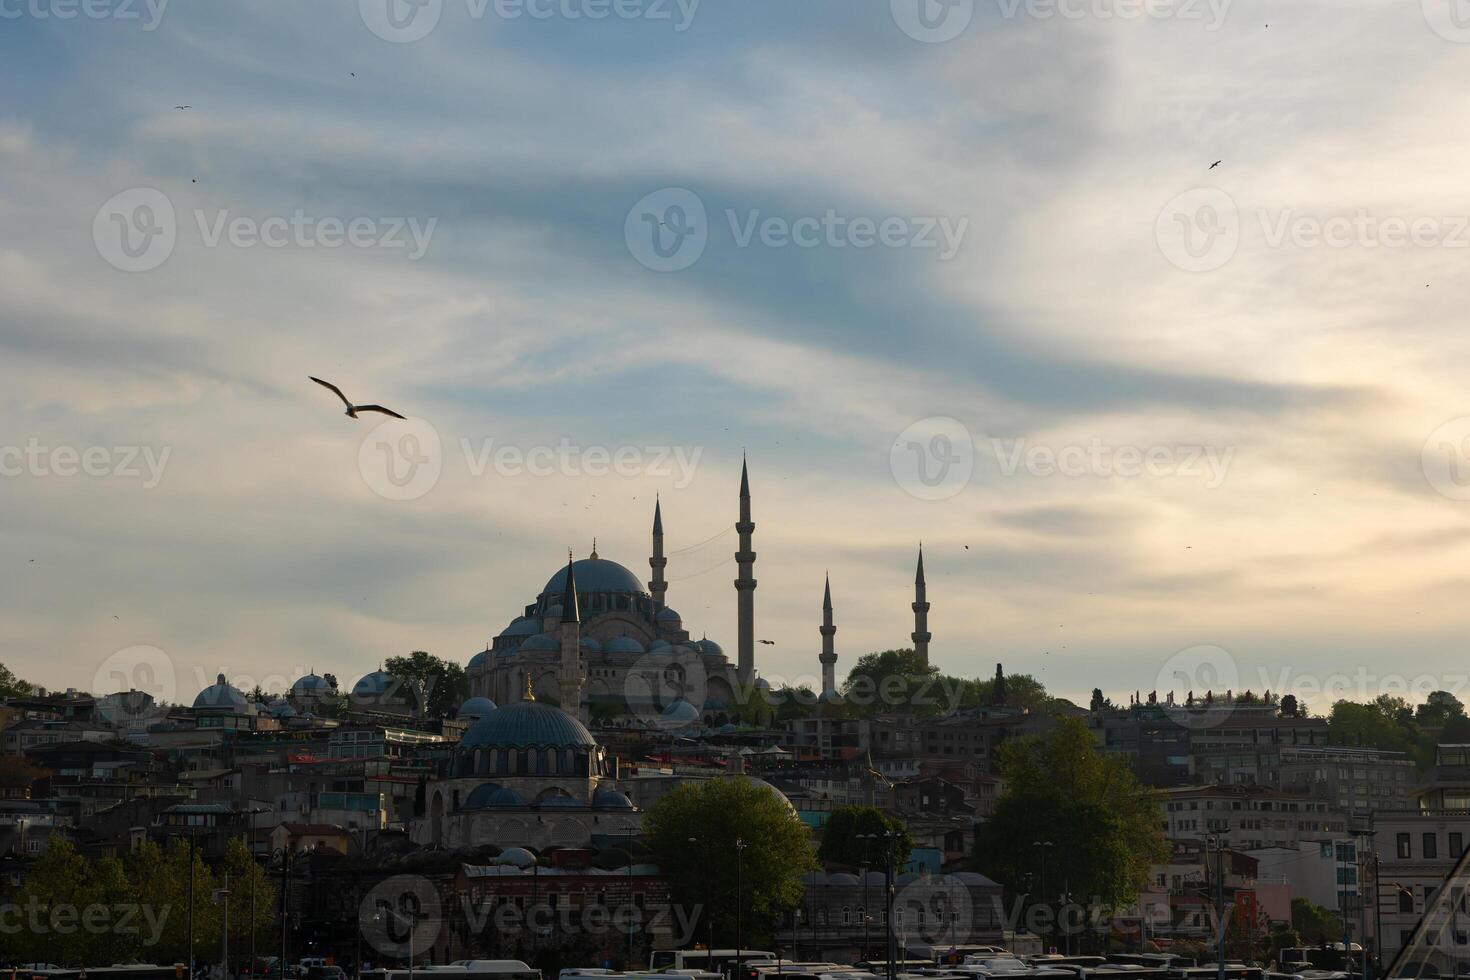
[829, 656]
[657, 586]
[921, 614]
[570, 676]
[745, 585]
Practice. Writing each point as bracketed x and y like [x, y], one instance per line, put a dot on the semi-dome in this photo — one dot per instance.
[478, 660]
[607, 798]
[281, 709]
[557, 797]
[476, 708]
[479, 797]
[595, 575]
[528, 723]
[372, 685]
[622, 644]
[541, 643]
[589, 645]
[220, 696]
[659, 645]
[667, 615]
[522, 626]
[710, 648]
[504, 797]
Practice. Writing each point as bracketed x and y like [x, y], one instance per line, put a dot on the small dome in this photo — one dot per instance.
[842, 878]
[373, 685]
[220, 696]
[678, 714]
[511, 651]
[478, 660]
[281, 708]
[480, 796]
[541, 643]
[622, 644]
[667, 615]
[607, 798]
[526, 723]
[658, 646]
[595, 575]
[522, 626]
[710, 648]
[476, 708]
[504, 797]
[516, 856]
[589, 645]
[310, 684]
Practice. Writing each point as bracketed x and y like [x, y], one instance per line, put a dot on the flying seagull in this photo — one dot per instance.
[769, 642]
[1216, 164]
[183, 107]
[352, 409]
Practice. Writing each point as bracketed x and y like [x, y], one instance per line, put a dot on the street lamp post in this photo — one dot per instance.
[739, 904]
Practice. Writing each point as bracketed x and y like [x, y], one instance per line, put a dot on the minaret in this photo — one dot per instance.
[829, 656]
[745, 586]
[921, 614]
[657, 586]
[569, 676]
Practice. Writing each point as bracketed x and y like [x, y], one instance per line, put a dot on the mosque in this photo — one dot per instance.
[595, 645]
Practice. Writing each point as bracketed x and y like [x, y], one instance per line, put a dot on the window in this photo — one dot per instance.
[1403, 846]
[1457, 843]
[1406, 901]
[1431, 845]
[846, 915]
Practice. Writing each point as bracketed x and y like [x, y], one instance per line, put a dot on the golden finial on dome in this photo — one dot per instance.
[529, 695]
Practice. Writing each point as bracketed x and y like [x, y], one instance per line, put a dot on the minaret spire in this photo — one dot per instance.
[829, 656]
[745, 585]
[656, 585]
[920, 606]
[570, 674]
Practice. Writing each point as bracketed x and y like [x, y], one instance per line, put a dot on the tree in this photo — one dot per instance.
[437, 685]
[1372, 725]
[12, 686]
[54, 889]
[1289, 707]
[246, 917]
[692, 833]
[1021, 691]
[1438, 710]
[842, 841]
[1098, 702]
[1314, 923]
[1100, 821]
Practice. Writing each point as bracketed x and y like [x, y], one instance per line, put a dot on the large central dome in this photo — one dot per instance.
[595, 575]
[528, 723]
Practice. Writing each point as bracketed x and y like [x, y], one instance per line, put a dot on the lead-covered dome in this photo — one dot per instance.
[528, 723]
[220, 696]
[474, 709]
[595, 575]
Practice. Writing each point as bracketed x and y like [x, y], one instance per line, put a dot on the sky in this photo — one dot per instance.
[950, 271]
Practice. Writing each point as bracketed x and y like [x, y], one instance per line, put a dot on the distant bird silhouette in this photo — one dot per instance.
[352, 409]
[770, 643]
[1216, 164]
[183, 107]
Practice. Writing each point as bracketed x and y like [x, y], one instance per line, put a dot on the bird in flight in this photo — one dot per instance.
[183, 107]
[769, 642]
[1216, 164]
[352, 409]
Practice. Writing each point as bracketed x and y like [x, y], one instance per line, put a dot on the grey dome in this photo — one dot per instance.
[710, 648]
[590, 645]
[595, 575]
[527, 723]
[622, 644]
[220, 696]
[667, 615]
[541, 643]
[558, 798]
[478, 660]
[281, 709]
[476, 708]
[517, 856]
[658, 646]
[678, 714]
[372, 685]
[522, 626]
[311, 684]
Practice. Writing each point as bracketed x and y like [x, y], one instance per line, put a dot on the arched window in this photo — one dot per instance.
[846, 914]
[862, 914]
[553, 762]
